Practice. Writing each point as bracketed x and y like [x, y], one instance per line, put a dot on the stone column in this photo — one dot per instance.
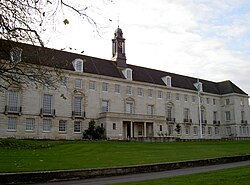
[131, 130]
[145, 129]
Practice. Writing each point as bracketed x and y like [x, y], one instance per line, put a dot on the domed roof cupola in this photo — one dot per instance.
[118, 49]
[118, 33]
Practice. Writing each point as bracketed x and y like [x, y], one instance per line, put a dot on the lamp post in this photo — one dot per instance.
[198, 86]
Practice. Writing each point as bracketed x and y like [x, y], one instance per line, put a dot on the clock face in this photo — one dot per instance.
[119, 44]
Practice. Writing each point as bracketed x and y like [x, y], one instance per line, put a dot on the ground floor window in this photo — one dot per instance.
[47, 125]
[77, 126]
[12, 121]
[216, 130]
[114, 126]
[209, 131]
[187, 130]
[170, 130]
[62, 125]
[228, 131]
[195, 130]
[203, 130]
[30, 124]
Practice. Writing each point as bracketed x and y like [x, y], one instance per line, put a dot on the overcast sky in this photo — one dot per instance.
[208, 39]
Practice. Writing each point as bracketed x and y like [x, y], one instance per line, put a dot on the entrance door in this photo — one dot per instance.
[128, 130]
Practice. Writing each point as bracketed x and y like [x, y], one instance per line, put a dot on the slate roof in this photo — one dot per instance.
[62, 59]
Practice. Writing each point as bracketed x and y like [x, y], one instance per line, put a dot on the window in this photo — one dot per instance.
[47, 124]
[150, 109]
[64, 81]
[30, 124]
[227, 116]
[129, 90]
[195, 130]
[139, 91]
[169, 113]
[186, 115]
[78, 106]
[160, 128]
[105, 106]
[216, 130]
[177, 97]
[227, 101]
[13, 101]
[167, 80]
[77, 126]
[114, 126]
[117, 88]
[12, 121]
[242, 116]
[159, 94]
[209, 131]
[214, 101]
[187, 130]
[203, 130]
[62, 125]
[150, 93]
[47, 104]
[127, 73]
[228, 131]
[215, 116]
[92, 85]
[185, 97]
[241, 102]
[78, 65]
[129, 108]
[105, 87]
[208, 100]
[168, 95]
[170, 130]
[193, 99]
[203, 119]
[78, 83]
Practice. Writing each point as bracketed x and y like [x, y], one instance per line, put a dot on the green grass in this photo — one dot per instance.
[28, 155]
[234, 176]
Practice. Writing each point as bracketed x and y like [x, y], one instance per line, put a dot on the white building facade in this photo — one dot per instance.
[128, 101]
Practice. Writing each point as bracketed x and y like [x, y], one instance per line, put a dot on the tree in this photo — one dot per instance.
[93, 132]
[24, 21]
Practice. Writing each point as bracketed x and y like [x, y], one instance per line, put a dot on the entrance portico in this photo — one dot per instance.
[133, 129]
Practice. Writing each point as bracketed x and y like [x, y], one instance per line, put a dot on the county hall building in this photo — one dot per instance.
[129, 101]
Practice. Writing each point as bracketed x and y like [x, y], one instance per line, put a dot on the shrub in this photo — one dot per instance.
[93, 132]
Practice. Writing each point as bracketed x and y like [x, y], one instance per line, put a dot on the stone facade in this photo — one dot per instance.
[124, 106]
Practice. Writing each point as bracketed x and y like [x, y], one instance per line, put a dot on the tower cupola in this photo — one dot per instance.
[118, 49]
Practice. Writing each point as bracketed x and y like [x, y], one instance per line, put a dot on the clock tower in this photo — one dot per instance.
[118, 49]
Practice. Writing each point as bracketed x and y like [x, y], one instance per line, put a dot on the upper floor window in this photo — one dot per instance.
[150, 93]
[177, 97]
[105, 87]
[78, 64]
[47, 104]
[208, 100]
[64, 81]
[105, 106]
[168, 95]
[150, 109]
[186, 114]
[227, 101]
[128, 73]
[129, 107]
[193, 99]
[227, 116]
[129, 90]
[139, 91]
[214, 101]
[92, 85]
[78, 106]
[78, 83]
[13, 101]
[159, 94]
[167, 80]
[117, 88]
[185, 97]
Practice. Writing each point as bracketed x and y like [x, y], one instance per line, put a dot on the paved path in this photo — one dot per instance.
[147, 176]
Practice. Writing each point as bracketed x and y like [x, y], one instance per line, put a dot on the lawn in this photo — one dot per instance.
[232, 176]
[28, 155]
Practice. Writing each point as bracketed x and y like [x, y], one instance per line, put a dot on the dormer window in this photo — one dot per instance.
[128, 73]
[167, 80]
[78, 64]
